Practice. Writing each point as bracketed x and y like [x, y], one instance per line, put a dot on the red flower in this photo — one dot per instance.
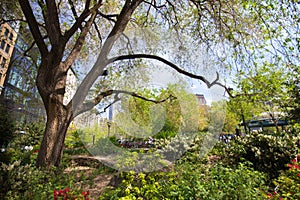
[269, 195]
[274, 192]
[55, 192]
[293, 166]
[85, 193]
[67, 190]
[294, 160]
[298, 175]
[298, 186]
[290, 165]
[35, 151]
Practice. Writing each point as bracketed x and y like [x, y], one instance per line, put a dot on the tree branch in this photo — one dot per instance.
[108, 17]
[89, 105]
[34, 27]
[52, 22]
[101, 62]
[68, 34]
[175, 67]
[172, 65]
[31, 46]
[79, 42]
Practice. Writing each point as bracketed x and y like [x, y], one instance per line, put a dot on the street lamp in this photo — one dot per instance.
[108, 128]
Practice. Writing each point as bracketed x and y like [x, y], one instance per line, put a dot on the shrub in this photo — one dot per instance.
[191, 181]
[288, 183]
[27, 182]
[267, 151]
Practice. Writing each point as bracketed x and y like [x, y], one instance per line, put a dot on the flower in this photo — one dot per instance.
[35, 151]
[269, 195]
[55, 193]
[294, 160]
[67, 190]
[293, 166]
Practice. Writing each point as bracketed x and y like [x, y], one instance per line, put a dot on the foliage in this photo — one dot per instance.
[7, 127]
[165, 134]
[288, 183]
[191, 182]
[267, 151]
[26, 142]
[7, 133]
[73, 139]
[20, 181]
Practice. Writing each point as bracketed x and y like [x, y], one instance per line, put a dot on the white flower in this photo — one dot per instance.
[28, 148]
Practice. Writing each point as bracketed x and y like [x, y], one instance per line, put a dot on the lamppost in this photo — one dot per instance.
[108, 128]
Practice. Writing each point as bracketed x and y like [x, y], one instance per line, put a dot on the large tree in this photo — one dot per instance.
[62, 30]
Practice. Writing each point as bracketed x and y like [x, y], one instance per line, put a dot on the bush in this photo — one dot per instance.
[20, 182]
[267, 151]
[288, 183]
[192, 182]
[7, 134]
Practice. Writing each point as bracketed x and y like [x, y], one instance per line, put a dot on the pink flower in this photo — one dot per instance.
[298, 175]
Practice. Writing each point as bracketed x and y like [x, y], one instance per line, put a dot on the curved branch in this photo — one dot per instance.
[154, 57]
[89, 105]
[175, 67]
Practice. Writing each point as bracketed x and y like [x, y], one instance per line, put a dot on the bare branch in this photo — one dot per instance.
[172, 65]
[175, 67]
[108, 17]
[31, 46]
[89, 105]
[98, 32]
[73, 9]
[79, 42]
[34, 26]
[81, 19]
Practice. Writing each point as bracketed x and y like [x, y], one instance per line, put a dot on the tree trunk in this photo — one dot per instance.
[58, 121]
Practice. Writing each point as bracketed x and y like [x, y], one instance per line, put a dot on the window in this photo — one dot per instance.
[6, 32]
[3, 62]
[2, 44]
[11, 36]
[7, 48]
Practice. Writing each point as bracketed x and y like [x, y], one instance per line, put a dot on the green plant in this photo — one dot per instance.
[288, 183]
[192, 181]
[268, 151]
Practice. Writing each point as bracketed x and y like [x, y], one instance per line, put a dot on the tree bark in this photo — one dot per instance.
[58, 121]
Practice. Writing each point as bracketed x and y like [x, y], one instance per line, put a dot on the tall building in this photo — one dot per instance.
[21, 96]
[201, 99]
[7, 42]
